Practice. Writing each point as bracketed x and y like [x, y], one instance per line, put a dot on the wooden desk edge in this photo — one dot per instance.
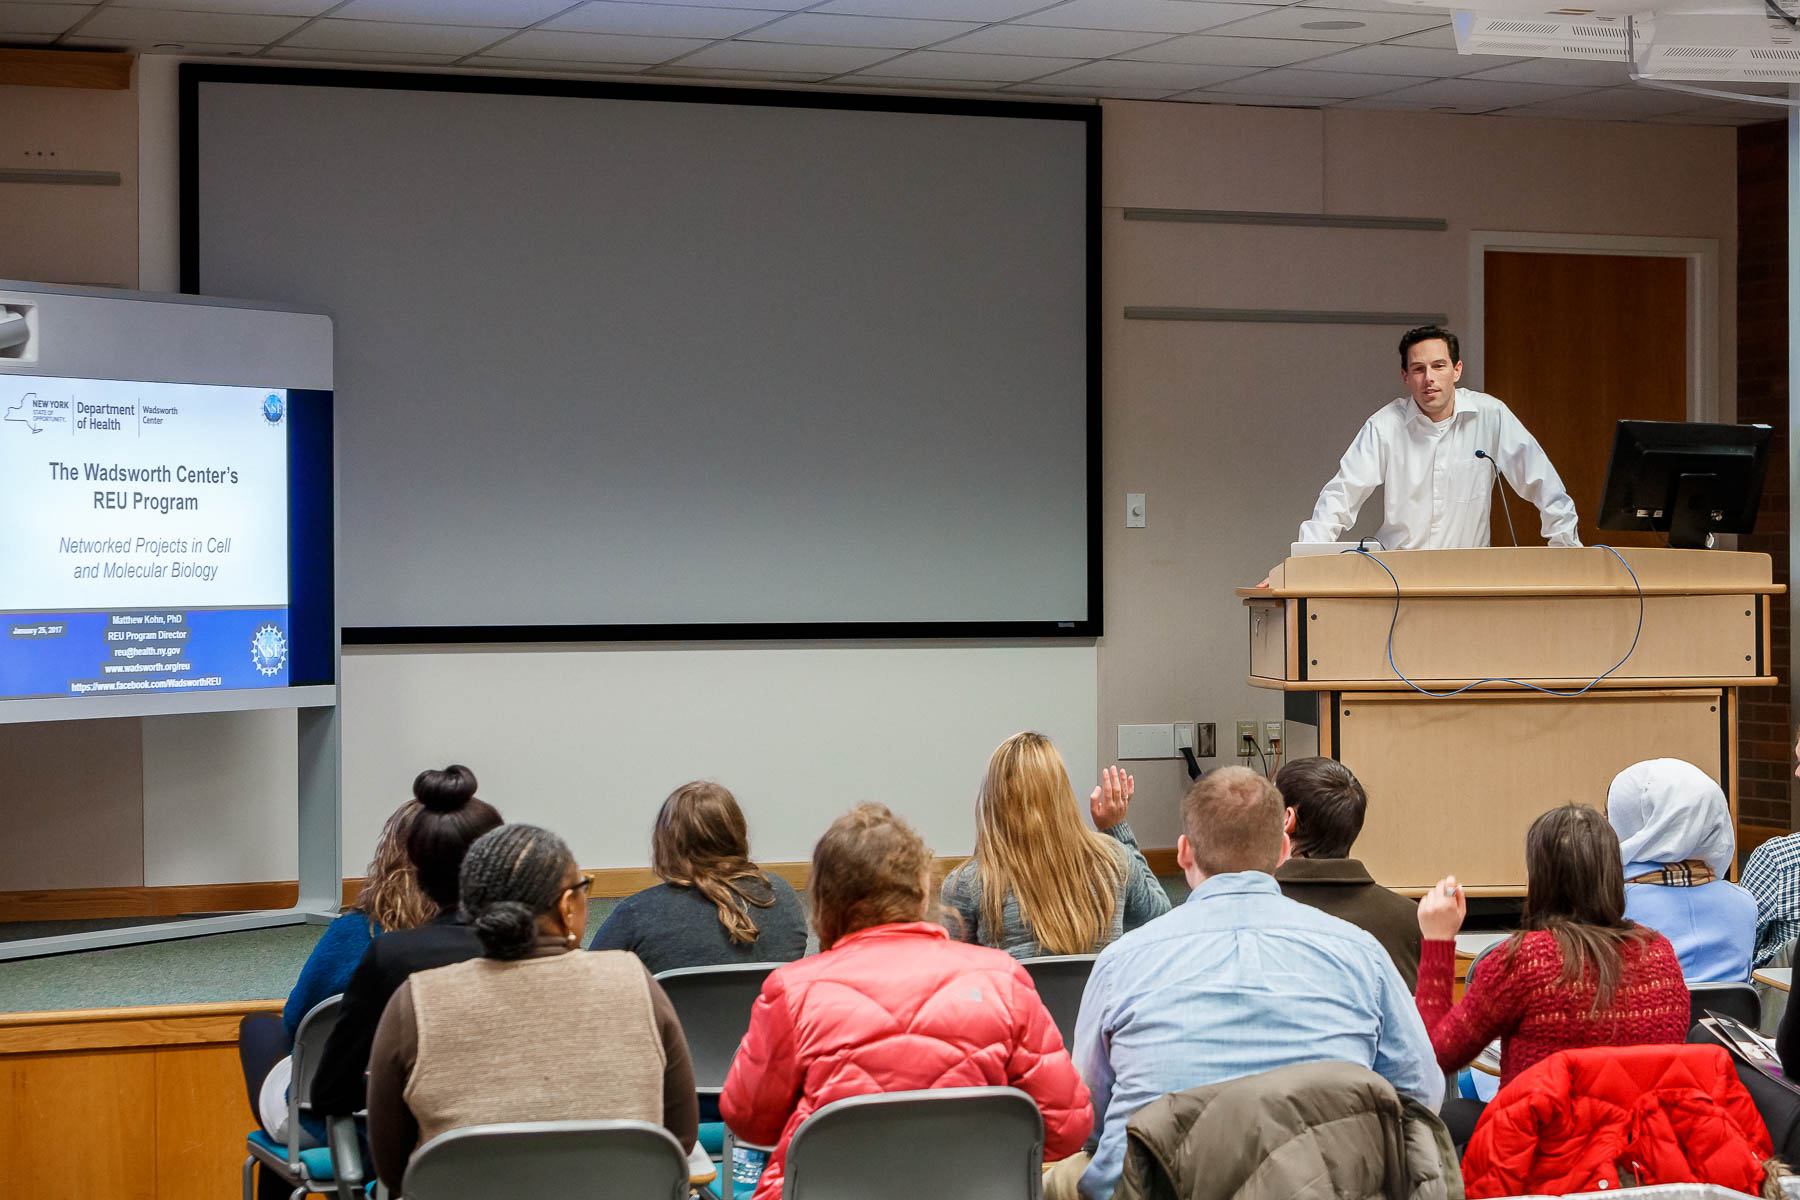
[116, 1028]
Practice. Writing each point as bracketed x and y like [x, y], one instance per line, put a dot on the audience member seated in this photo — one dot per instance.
[891, 1004]
[713, 905]
[1578, 974]
[390, 899]
[449, 820]
[1041, 882]
[1236, 981]
[1772, 875]
[534, 1029]
[1325, 809]
[1676, 838]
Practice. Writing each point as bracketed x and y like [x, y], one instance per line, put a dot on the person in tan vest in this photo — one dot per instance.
[533, 1030]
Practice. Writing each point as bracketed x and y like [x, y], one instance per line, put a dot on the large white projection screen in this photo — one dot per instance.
[638, 358]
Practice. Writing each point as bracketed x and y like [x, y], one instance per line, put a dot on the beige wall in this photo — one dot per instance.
[1229, 429]
[63, 233]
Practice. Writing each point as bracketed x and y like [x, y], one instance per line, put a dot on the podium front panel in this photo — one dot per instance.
[1454, 784]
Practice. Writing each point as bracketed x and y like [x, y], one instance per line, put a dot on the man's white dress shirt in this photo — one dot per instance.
[1437, 493]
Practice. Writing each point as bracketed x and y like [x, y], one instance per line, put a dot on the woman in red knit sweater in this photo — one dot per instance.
[1577, 974]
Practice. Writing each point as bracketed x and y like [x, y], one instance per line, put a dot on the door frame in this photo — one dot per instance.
[1701, 254]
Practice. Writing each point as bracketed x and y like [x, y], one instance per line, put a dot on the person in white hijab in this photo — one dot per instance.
[1677, 842]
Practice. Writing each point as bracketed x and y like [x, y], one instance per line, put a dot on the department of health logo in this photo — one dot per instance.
[268, 649]
[271, 408]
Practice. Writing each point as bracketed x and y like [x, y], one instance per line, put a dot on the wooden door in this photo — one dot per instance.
[1575, 342]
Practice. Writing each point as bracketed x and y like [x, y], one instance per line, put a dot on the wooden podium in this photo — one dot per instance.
[1454, 782]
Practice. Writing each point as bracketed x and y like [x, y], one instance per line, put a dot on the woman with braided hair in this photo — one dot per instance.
[714, 905]
[488, 1040]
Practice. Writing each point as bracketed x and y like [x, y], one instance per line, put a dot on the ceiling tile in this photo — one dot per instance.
[593, 47]
[194, 49]
[503, 14]
[1337, 85]
[145, 25]
[827, 29]
[1571, 72]
[40, 18]
[936, 10]
[1255, 101]
[938, 64]
[1150, 16]
[1330, 25]
[1403, 60]
[1472, 95]
[774, 56]
[391, 57]
[1232, 51]
[725, 75]
[1443, 37]
[1051, 42]
[904, 81]
[560, 65]
[1098, 93]
[1170, 77]
[1613, 104]
[661, 20]
[279, 8]
[405, 36]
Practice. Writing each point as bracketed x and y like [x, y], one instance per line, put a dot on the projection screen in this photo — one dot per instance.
[670, 362]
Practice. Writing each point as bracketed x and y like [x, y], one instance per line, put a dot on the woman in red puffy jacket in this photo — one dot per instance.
[891, 1004]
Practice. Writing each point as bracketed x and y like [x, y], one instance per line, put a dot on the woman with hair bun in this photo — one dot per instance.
[488, 1040]
[714, 905]
[446, 818]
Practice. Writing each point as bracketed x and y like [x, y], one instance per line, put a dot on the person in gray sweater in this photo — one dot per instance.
[715, 906]
[1040, 882]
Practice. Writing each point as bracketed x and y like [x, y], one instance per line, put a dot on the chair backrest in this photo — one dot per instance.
[570, 1160]
[1738, 1001]
[713, 1006]
[309, 1043]
[1060, 980]
[948, 1143]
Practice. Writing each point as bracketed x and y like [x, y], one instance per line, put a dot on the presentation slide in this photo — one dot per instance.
[143, 537]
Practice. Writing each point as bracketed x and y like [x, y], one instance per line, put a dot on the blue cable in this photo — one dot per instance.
[1395, 620]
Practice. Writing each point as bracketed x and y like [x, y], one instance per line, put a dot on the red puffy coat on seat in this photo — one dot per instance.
[1663, 1114]
[889, 1009]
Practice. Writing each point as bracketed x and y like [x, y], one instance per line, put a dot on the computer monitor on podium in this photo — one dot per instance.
[1686, 479]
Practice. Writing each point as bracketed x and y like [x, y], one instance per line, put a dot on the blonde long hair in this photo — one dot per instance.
[1029, 840]
[391, 897]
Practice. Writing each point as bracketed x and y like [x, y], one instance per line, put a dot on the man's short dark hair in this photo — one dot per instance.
[1425, 333]
[1233, 819]
[1328, 803]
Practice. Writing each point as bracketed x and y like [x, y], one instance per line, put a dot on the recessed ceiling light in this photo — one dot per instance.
[169, 46]
[1333, 25]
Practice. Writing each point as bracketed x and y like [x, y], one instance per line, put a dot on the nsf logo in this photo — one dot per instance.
[268, 649]
[272, 408]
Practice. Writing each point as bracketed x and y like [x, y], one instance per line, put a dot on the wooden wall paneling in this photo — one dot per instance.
[79, 1126]
[1575, 342]
[202, 1115]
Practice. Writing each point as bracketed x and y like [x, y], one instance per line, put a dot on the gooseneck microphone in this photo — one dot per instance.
[1504, 506]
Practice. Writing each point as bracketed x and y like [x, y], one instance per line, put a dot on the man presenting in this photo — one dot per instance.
[1422, 449]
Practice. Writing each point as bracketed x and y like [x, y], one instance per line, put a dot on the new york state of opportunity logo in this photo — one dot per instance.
[268, 649]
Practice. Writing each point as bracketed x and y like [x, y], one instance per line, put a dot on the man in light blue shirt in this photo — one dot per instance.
[1236, 981]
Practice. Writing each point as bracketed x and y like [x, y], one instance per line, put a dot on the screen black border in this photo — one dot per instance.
[192, 75]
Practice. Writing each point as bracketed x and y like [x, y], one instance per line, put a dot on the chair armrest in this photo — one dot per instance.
[346, 1158]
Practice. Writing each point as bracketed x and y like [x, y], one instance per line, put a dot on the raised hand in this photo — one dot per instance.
[1442, 909]
[1110, 800]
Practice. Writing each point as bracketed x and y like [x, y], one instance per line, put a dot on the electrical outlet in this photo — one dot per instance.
[1272, 735]
[1184, 736]
[1246, 738]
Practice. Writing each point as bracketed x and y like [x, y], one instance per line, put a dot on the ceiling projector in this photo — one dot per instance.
[1732, 40]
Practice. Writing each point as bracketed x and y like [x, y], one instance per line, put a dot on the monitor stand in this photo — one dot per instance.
[1696, 512]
